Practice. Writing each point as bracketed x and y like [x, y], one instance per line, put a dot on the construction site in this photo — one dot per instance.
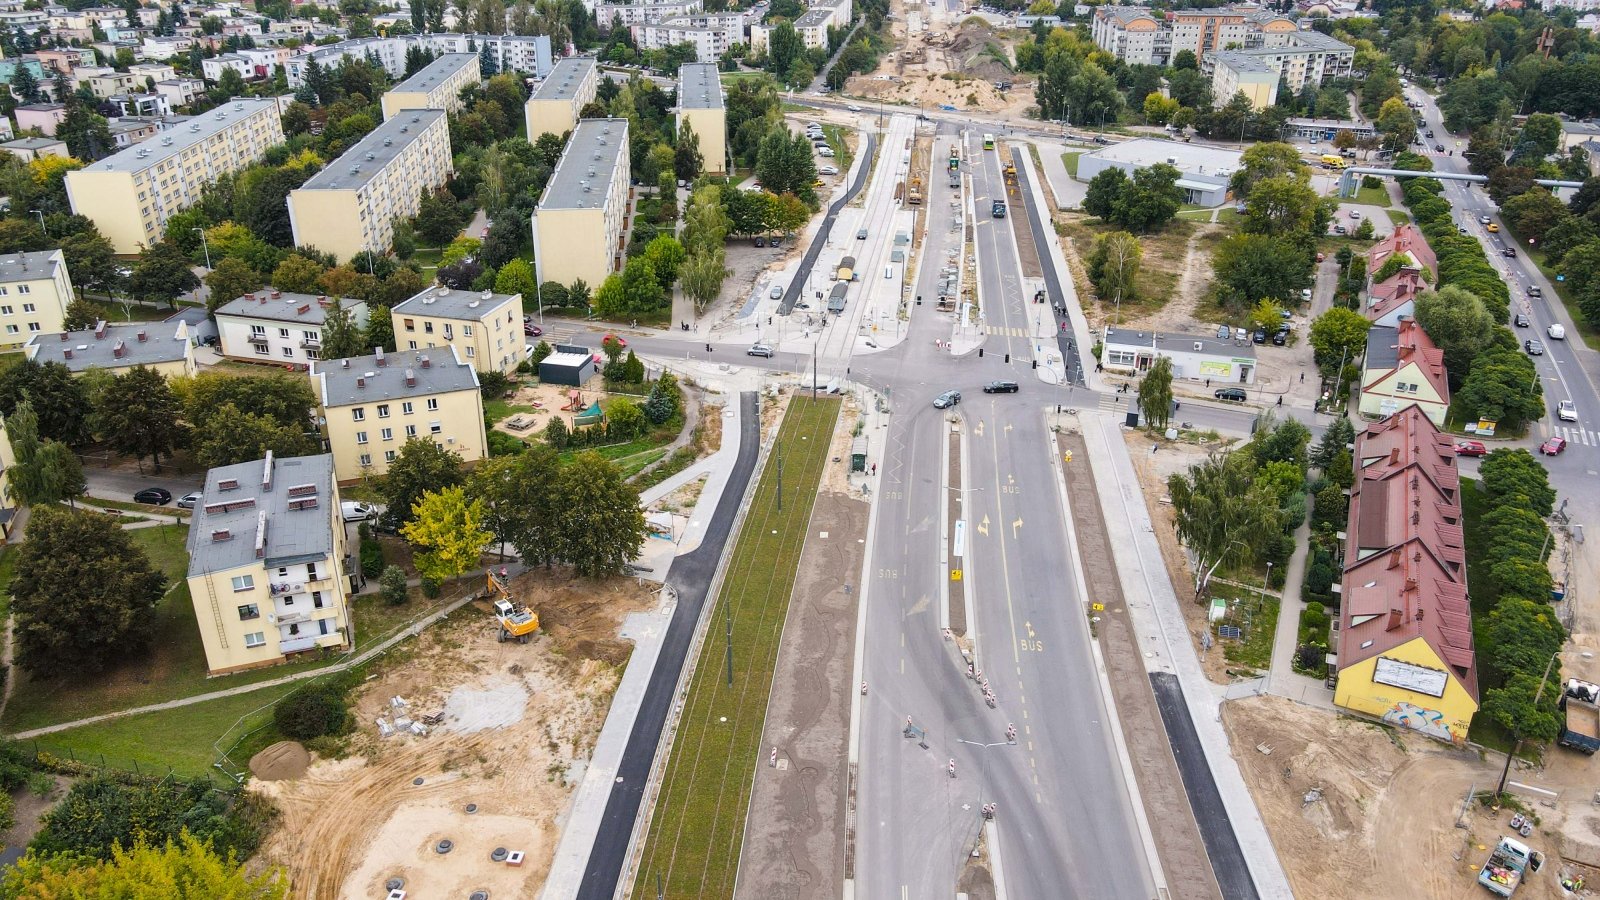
[959, 67]
[468, 744]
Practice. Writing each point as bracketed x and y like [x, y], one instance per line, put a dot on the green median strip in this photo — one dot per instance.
[697, 827]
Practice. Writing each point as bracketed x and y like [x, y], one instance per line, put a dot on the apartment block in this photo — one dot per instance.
[812, 25]
[269, 567]
[43, 116]
[29, 149]
[1236, 72]
[701, 107]
[278, 326]
[34, 292]
[437, 85]
[627, 15]
[352, 205]
[580, 228]
[484, 328]
[162, 346]
[711, 35]
[131, 194]
[529, 54]
[553, 107]
[1292, 58]
[374, 404]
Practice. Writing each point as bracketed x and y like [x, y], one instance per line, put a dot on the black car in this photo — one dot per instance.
[761, 242]
[1235, 394]
[1521, 321]
[1438, 148]
[1259, 336]
[1001, 387]
[153, 496]
[1280, 337]
[1510, 252]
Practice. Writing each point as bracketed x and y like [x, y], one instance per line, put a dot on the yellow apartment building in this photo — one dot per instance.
[130, 195]
[580, 228]
[1237, 72]
[352, 205]
[8, 504]
[553, 108]
[435, 86]
[484, 329]
[163, 346]
[375, 404]
[269, 569]
[701, 107]
[34, 292]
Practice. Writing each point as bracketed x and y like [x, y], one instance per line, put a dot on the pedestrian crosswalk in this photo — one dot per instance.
[1574, 434]
[1114, 402]
[1007, 332]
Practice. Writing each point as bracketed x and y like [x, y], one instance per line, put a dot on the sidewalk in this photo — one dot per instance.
[1282, 679]
[1169, 653]
[1068, 192]
[1059, 275]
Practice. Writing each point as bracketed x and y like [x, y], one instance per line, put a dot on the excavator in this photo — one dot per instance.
[517, 621]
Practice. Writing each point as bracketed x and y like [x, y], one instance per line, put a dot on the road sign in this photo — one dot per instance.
[955, 574]
[1067, 456]
[1097, 607]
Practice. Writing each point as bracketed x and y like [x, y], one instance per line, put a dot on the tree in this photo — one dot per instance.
[1396, 123]
[1337, 439]
[233, 436]
[438, 219]
[1282, 205]
[162, 274]
[231, 279]
[516, 277]
[86, 133]
[1459, 324]
[1222, 514]
[297, 274]
[69, 624]
[313, 711]
[1543, 131]
[420, 467]
[1502, 387]
[392, 585]
[1151, 200]
[1159, 110]
[342, 338]
[57, 397]
[1339, 336]
[702, 275]
[1155, 394]
[1512, 706]
[1114, 266]
[665, 399]
[91, 260]
[1104, 194]
[1520, 636]
[1266, 315]
[1253, 267]
[285, 399]
[602, 527]
[1531, 215]
[44, 471]
[686, 161]
[139, 416]
[1516, 476]
[449, 529]
[1268, 160]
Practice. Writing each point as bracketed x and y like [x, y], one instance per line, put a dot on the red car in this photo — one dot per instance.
[621, 342]
[532, 330]
[1554, 446]
[1471, 448]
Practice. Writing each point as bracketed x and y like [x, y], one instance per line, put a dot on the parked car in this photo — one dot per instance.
[1240, 334]
[1471, 448]
[1224, 332]
[1556, 332]
[760, 350]
[1259, 336]
[1534, 348]
[1280, 337]
[1521, 321]
[619, 341]
[1237, 395]
[825, 151]
[189, 500]
[1566, 411]
[947, 400]
[827, 170]
[1001, 387]
[1305, 296]
[761, 240]
[1355, 215]
[776, 293]
[861, 234]
[209, 340]
[1099, 139]
[1553, 447]
[1340, 229]
[153, 496]
[356, 511]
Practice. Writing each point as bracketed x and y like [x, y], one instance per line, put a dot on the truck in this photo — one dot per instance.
[1503, 871]
[914, 193]
[836, 298]
[1581, 730]
[1334, 161]
[955, 157]
[517, 622]
[998, 209]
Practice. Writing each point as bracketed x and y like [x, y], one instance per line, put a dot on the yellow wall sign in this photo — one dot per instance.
[955, 574]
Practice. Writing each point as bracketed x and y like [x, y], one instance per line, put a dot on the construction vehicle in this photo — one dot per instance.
[914, 194]
[1011, 173]
[997, 209]
[1503, 872]
[517, 622]
[1581, 729]
[955, 157]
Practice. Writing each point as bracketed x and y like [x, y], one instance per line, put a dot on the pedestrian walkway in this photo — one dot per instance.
[1067, 192]
[1282, 680]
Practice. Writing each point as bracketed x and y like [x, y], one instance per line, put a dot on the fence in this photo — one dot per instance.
[67, 761]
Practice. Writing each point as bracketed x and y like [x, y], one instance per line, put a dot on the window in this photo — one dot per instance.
[466, 331]
[433, 404]
[289, 352]
[359, 414]
[470, 352]
[27, 307]
[413, 345]
[244, 583]
[409, 324]
[249, 611]
[12, 329]
[33, 326]
[361, 437]
[1120, 358]
[255, 639]
[5, 310]
[283, 332]
[411, 432]
[447, 333]
[383, 410]
[261, 349]
[435, 427]
[388, 456]
[427, 328]
[317, 602]
[366, 459]
[258, 329]
[312, 335]
[405, 407]
[387, 434]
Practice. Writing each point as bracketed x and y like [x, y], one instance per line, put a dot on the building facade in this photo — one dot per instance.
[352, 205]
[131, 194]
[34, 292]
[437, 85]
[701, 107]
[1197, 358]
[162, 346]
[1204, 172]
[1289, 57]
[374, 404]
[279, 327]
[580, 228]
[711, 34]
[1403, 367]
[529, 54]
[627, 15]
[485, 329]
[269, 568]
[553, 107]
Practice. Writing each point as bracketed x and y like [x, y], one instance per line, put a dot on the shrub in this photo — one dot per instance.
[392, 585]
[371, 552]
[502, 444]
[312, 711]
[494, 384]
[432, 588]
[103, 810]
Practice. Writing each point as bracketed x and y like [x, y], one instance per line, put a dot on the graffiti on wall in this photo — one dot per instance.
[1428, 721]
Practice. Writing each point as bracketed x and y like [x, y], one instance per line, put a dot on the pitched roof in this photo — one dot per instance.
[1406, 238]
[393, 376]
[1398, 289]
[1392, 349]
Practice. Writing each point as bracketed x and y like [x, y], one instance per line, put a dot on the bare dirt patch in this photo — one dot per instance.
[836, 476]
[955, 67]
[520, 721]
[542, 402]
[1174, 273]
[283, 761]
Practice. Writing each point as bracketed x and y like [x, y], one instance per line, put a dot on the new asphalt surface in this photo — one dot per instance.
[797, 284]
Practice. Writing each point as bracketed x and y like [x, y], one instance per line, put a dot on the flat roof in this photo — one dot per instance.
[1243, 61]
[33, 143]
[284, 505]
[284, 306]
[563, 80]
[813, 17]
[1568, 126]
[582, 179]
[1188, 158]
[100, 348]
[566, 358]
[435, 73]
[176, 140]
[28, 266]
[446, 303]
[1172, 341]
[367, 158]
[363, 379]
[699, 86]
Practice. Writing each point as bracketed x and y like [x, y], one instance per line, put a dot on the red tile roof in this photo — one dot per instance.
[1400, 288]
[1407, 238]
[1412, 345]
[1405, 571]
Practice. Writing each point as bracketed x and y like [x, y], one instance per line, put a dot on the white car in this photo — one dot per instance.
[1355, 214]
[825, 151]
[1483, 220]
[760, 350]
[354, 511]
[1556, 332]
[853, 108]
[1566, 412]
[827, 170]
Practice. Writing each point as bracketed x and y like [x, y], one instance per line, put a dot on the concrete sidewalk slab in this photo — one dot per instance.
[1059, 276]
[1068, 192]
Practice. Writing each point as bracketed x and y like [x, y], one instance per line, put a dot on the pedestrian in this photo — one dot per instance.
[1208, 382]
[1177, 405]
[1280, 400]
[874, 468]
[1154, 448]
[1302, 378]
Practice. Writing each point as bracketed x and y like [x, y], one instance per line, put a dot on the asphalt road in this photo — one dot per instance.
[797, 284]
[690, 577]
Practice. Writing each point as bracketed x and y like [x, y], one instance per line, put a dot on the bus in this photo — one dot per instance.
[988, 142]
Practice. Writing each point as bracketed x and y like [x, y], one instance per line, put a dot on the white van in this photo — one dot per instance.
[888, 272]
[1557, 332]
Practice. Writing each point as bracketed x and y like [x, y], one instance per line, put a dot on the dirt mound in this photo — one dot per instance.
[283, 761]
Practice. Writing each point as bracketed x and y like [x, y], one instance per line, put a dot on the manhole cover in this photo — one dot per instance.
[478, 895]
[417, 780]
[394, 884]
[444, 846]
[472, 808]
[500, 854]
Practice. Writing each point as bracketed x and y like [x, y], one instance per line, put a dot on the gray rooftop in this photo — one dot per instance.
[372, 153]
[43, 107]
[563, 81]
[200, 129]
[28, 266]
[814, 17]
[114, 346]
[1383, 348]
[1247, 60]
[1126, 13]
[436, 73]
[1580, 127]
[1178, 342]
[282, 306]
[582, 179]
[445, 303]
[282, 506]
[363, 379]
[699, 86]
[33, 143]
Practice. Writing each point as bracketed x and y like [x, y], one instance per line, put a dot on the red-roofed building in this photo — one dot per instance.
[1395, 296]
[1405, 650]
[1402, 368]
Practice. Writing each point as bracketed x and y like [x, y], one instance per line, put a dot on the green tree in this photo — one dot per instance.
[1543, 131]
[232, 278]
[419, 468]
[313, 711]
[392, 585]
[602, 525]
[1396, 123]
[1114, 266]
[686, 162]
[702, 275]
[1159, 110]
[44, 471]
[342, 338]
[1338, 336]
[1282, 205]
[1512, 706]
[1502, 387]
[69, 624]
[139, 416]
[1268, 160]
[1155, 394]
[667, 256]
[665, 400]
[516, 277]
[1151, 200]
[1267, 315]
[234, 436]
[1509, 476]
[1336, 439]
[1222, 514]
[297, 274]
[1254, 267]
[58, 399]
[1459, 324]
[1104, 195]
[448, 528]
[286, 399]
[91, 260]
[162, 274]
[1534, 213]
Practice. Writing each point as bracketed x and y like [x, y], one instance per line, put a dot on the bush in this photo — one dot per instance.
[493, 384]
[103, 810]
[312, 711]
[502, 444]
[392, 585]
[371, 552]
[432, 588]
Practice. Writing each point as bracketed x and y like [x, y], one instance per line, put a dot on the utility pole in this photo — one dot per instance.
[1517, 744]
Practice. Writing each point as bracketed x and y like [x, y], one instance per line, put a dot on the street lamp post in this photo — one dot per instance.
[42, 226]
[204, 245]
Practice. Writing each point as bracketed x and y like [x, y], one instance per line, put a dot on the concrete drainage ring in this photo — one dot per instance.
[500, 854]
[394, 884]
[444, 846]
[478, 895]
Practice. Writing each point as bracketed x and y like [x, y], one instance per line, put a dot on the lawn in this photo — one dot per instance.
[842, 154]
[1070, 160]
[698, 826]
[1398, 217]
[633, 464]
[1225, 216]
[135, 312]
[1164, 259]
[1373, 196]
[1257, 614]
[729, 78]
[498, 409]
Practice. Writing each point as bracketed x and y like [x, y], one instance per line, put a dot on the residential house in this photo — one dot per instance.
[34, 292]
[43, 116]
[374, 404]
[1403, 367]
[1394, 296]
[32, 148]
[580, 228]
[485, 328]
[278, 326]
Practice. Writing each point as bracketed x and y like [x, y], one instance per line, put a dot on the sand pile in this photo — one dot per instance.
[283, 761]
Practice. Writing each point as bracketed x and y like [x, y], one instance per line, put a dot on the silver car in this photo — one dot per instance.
[760, 350]
[947, 400]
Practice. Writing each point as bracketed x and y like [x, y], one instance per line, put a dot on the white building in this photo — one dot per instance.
[626, 15]
[274, 326]
[711, 35]
[529, 54]
[813, 25]
[1204, 172]
[1194, 357]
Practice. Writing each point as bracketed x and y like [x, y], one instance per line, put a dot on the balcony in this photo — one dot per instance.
[311, 344]
[299, 644]
[258, 339]
[293, 617]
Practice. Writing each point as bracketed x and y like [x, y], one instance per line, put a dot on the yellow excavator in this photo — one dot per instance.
[517, 621]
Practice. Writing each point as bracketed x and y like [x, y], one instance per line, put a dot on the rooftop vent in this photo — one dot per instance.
[411, 378]
[382, 361]
[221, 534]
[228, 484]
[427, 363]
